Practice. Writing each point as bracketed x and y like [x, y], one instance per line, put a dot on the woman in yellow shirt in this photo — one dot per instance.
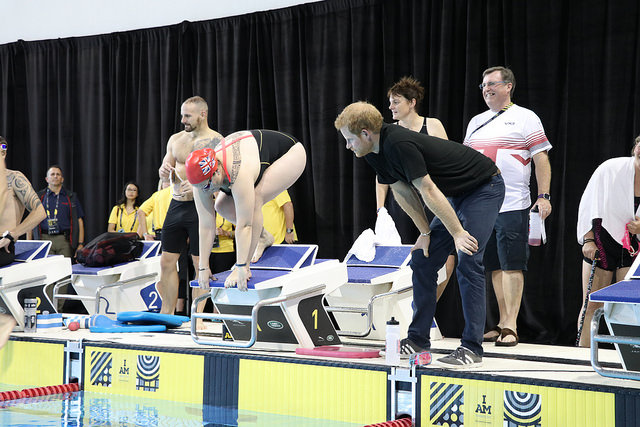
[124, 215]
[223, 256]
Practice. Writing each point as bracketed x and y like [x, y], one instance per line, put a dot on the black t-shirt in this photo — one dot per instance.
[405, 155]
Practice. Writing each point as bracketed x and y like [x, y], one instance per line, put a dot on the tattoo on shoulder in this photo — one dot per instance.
[235, 168]
[206, 143]
[23, 190]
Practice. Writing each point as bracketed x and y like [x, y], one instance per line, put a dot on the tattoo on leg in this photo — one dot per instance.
[235, 168]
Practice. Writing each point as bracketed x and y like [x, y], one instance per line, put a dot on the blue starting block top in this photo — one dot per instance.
[27, 250]
[386, 256]
[364, 274]
[627, 291]
[92, 271]
[257, 276]
[150, 249]
[286, 257]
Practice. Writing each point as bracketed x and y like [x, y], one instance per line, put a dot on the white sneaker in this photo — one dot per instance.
[462, 357]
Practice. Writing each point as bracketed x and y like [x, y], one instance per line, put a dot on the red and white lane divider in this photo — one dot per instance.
[403, 422]
[38, 391]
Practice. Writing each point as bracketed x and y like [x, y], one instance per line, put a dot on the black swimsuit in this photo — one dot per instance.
[271, 145]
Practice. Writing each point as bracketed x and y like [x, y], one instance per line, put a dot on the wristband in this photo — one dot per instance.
[202, 269]
[546, 196]
[589, 241]
[241, 265]
[425, 234]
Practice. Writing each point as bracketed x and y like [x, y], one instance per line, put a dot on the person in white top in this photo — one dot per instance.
[608, 227]
[512, 136]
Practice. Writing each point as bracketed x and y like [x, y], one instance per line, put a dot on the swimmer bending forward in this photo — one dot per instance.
[248, 168]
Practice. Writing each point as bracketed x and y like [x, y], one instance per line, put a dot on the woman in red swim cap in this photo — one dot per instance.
[248, 168]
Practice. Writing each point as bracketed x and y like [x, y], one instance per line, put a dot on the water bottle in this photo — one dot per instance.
[535, 222]
[392, 347]
[30, 317]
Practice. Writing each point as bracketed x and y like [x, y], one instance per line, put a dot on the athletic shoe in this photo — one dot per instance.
[462, 357]
[408, 347]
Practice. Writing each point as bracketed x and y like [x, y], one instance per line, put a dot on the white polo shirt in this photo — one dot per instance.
[510, 140]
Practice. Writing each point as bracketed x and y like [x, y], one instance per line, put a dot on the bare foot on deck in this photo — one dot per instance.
[266, 240]
[7, 324]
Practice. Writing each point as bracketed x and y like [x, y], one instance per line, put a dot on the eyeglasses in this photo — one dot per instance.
[491, 84]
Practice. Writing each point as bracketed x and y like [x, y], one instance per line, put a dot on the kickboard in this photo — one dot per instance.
[102, 324]
[342, 352]
[147, 317]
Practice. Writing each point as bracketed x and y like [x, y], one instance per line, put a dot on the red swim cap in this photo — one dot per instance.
[200, 165]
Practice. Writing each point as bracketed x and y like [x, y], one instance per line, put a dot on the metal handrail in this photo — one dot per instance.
[368, 312]
[253, 318]
[595, 339]
[96, 298]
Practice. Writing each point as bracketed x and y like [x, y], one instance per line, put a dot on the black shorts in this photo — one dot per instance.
[7, 258]
[508, 246]
[180, 224]
[611, 253]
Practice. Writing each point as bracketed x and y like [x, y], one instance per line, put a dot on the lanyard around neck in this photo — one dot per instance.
[505, 108]
[55, 212]
[135, 218]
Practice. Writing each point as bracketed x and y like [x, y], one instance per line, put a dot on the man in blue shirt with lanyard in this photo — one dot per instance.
[64, 224]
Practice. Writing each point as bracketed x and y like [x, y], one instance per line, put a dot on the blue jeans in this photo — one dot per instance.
[477, 211]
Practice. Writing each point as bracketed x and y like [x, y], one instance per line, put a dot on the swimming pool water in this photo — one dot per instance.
[97, 409]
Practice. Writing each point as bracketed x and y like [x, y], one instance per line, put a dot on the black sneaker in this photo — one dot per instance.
[462, 357]
[408, 347]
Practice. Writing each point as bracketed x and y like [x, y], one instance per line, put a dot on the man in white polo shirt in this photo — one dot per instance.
[511, 136]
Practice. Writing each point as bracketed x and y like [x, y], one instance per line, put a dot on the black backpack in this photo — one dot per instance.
[109, 249]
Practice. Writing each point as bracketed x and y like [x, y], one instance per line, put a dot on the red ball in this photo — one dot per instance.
[74, 326]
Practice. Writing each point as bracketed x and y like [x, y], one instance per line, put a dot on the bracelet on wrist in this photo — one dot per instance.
[289, 230]
[589, 241]
[241, 265]
[202, 268]
[426, 234]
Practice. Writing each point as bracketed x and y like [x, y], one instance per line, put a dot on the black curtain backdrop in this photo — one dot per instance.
[103, 107]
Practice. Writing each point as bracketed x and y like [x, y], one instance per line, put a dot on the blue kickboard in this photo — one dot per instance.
[102, 324]
[147, 317]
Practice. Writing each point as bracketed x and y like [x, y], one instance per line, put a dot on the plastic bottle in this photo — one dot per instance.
[392, 347]
[535, 236]
[30, 317]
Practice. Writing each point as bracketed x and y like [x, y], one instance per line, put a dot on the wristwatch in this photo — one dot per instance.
[7, 235]
[546, 196]
[289, 230]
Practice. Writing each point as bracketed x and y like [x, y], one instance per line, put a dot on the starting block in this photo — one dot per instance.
[31, 275]
[129, 286]
[621, 313]
[283, 306]
[376, 291]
